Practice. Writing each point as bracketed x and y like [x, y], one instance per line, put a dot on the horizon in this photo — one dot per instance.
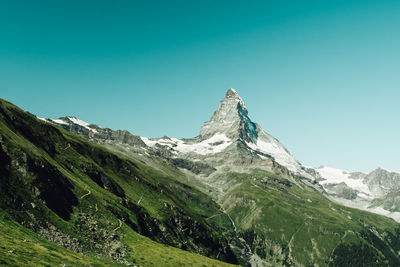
[319, 77]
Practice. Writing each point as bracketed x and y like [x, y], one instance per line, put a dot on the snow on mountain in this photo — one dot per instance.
[232, 119]
[234, 94]
[82, 123]
[337, 176]
[266, 144]
[79, 121]
[215, 144]
[229, 128]
[247, 145]
[58, 121]
[231, 125]
[376, 192]
[72, 121]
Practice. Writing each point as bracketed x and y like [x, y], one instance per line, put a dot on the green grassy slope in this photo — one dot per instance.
[289, 225]
[20, 246]
[90, 200]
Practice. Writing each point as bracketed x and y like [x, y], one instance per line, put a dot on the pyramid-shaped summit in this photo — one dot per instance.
[231, 119]
[233, 95]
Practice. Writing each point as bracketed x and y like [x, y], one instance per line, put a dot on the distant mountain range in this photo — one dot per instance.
[375, 192]
[233, 193]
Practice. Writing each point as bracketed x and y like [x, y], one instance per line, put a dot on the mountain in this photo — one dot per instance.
[74, 202]
[378, 191]
[273, 210]
[231, 131]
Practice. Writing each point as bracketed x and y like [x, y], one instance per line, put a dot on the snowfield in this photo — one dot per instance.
[212, 145]
[337, 176]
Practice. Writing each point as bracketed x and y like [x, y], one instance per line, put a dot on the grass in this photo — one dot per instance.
[303, 222]
[20, 246]
[43, 165]
[148, 253]
[29, 249]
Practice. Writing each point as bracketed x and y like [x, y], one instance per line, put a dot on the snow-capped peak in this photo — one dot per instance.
[80, 122]
[337, 176]
[71, 120]
[233, 94]
[231, 118]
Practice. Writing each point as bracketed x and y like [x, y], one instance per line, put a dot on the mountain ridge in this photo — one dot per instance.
[276, 209]
[89, 200]
[231, 127]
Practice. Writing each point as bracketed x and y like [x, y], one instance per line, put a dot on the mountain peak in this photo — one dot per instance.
[231, 119]
[228, 118]
[231, 93]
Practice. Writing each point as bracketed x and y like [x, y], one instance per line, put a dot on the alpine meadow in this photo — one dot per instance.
[298, 166]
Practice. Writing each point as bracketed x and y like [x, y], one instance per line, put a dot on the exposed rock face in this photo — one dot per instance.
[231, 119]
[378, 191]
[342, 190]
[382, 182]
[229, 139]
[357, 175]
[96, 133]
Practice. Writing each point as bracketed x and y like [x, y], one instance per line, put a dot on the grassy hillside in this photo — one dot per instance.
[69, 201]
[289, 225]
[22, 247]
[91, 201]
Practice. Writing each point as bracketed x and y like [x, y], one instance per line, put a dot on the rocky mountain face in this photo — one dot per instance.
[381, 182]
[228, 140]
[376, 192]
[274, 211]
[95, 132]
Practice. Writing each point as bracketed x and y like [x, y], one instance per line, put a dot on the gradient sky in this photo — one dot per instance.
[321, 76]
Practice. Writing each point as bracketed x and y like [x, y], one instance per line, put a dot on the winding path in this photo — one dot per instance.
[215, 215]
[120, 224]
[69, 145]
[85, 195]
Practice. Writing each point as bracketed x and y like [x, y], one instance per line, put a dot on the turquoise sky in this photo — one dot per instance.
[321, 76]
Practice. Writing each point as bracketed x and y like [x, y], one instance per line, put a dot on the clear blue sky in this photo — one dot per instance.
[321, 76]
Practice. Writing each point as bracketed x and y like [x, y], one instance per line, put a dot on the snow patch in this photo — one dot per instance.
[364, 205]
[58, 121]
[240, 100]
[42, 119]
[212, 145]
[278, 152]
[337, 176]
[78, 121]
[148, 141]
[81, 123]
